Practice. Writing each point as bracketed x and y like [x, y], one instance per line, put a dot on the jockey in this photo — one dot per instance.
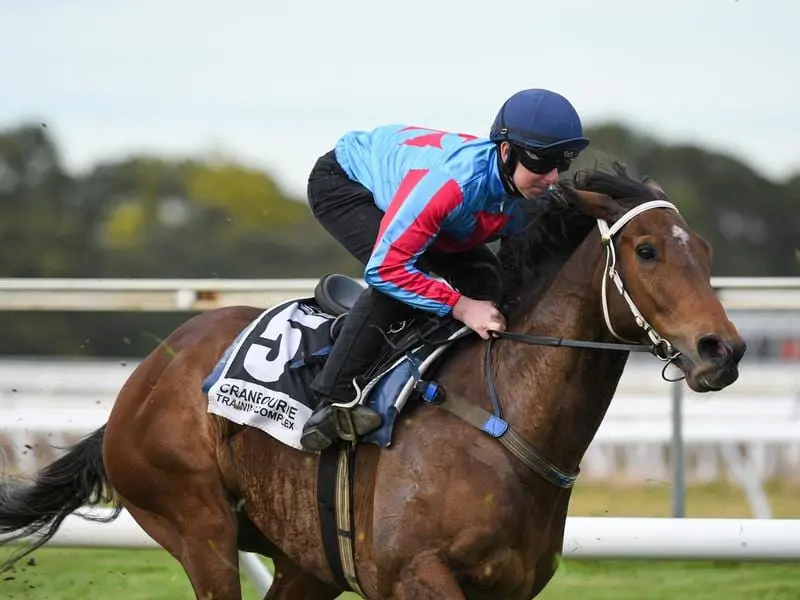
[408, 202]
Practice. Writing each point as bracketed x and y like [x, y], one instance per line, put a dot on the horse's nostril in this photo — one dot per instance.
[713, 347]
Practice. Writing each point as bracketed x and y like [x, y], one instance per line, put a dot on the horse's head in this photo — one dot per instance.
[656, 280]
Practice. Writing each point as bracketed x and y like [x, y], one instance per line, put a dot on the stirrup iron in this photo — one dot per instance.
[342, 414]
[352, 403]
[343, 420]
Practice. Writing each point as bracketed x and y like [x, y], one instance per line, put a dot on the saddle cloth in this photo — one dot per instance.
[262, 379]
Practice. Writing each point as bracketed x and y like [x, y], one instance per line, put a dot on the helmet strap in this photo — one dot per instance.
[507, 169]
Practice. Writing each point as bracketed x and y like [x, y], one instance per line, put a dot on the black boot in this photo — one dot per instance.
[330, 423]
[354, 351]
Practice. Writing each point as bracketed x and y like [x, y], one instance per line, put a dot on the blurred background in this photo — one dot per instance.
[149, 140]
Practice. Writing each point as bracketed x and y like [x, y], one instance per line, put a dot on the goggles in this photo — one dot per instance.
[543, 163]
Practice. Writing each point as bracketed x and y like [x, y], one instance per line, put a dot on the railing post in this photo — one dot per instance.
[678, 471]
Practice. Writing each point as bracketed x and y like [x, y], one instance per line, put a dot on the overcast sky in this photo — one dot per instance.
[273, 83]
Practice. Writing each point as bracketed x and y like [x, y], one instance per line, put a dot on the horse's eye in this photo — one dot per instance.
[646, 252]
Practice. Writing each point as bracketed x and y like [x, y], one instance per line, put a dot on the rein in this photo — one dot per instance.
[543, 340]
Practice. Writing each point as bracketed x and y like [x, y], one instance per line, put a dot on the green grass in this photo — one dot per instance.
[61, 574]
[152, 575]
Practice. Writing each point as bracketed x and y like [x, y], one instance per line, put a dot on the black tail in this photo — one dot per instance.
[35, 509]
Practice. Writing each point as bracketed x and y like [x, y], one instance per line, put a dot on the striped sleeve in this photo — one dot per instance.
[411, 223]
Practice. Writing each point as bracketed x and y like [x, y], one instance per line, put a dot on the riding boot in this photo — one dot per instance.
[358, 343]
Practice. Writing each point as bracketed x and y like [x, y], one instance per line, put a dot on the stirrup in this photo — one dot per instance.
[343, 419]
[342, 414]
[351, 403]
[351, 423]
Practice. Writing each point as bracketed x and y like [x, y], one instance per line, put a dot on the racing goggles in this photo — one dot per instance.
[543, 163]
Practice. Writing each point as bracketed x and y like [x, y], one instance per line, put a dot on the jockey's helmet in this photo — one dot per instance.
[541, 121]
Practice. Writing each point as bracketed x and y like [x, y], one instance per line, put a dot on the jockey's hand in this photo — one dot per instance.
[479, 315]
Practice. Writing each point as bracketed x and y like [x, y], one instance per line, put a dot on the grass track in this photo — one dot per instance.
[61, 574]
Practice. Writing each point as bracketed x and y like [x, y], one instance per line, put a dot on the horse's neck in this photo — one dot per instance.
[557, 397]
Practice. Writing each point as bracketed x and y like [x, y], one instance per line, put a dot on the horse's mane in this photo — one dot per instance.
[532, 258]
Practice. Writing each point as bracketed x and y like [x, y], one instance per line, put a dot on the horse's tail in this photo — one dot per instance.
[36, 508]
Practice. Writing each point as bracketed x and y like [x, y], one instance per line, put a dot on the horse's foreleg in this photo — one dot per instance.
[427, 577]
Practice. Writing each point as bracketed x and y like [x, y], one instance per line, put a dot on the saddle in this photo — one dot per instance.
[336, 293]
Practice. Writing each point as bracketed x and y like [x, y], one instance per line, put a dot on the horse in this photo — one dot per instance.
[445, 512]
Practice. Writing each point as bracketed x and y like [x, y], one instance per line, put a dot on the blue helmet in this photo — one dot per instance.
[540, 120]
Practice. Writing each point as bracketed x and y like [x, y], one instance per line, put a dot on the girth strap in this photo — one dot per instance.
[344, 514]
[335, 498]
[327, 490]
[485, 421]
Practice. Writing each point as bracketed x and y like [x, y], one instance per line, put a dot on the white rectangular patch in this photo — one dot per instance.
[254, 387]
[247, 403]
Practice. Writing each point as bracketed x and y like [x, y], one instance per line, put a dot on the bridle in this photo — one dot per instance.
[659, 347]
[662, 348]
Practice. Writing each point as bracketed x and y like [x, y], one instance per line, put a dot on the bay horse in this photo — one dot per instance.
[446, 512]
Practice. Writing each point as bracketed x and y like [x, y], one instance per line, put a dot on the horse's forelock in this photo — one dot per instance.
[617, 184]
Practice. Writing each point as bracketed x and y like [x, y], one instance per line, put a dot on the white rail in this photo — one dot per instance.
[767, 293]
[585, 538]
[82, 420]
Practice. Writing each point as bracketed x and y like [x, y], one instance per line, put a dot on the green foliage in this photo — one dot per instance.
[124, 225]
[141, 217]
[249, 197]
[38, 230]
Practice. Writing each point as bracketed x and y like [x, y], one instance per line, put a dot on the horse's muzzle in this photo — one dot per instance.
[716, 365]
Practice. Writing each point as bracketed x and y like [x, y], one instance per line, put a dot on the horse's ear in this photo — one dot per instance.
[655, 186]
[596, 205]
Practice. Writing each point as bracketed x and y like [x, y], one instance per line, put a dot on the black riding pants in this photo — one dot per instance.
[347, 211]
